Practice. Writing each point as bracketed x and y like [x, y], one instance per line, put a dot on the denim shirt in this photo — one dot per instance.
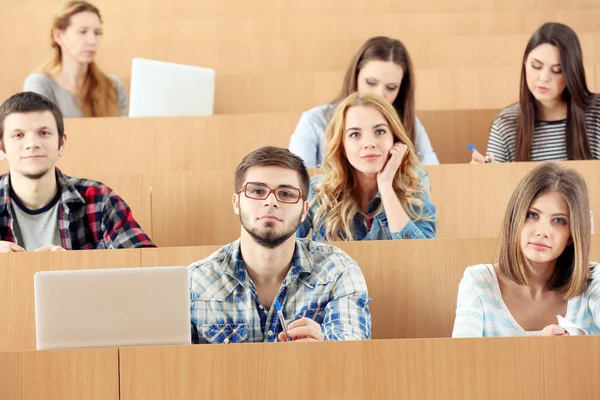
[379, 224]
[323, 283]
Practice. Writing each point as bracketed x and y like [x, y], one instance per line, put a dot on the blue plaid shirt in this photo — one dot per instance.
[379, 230]
[323, 283]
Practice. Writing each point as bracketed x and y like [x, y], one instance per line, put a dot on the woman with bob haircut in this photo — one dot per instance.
[71, 78]
[557, 117]
[543, 270]
[372, 186]
[381, 66]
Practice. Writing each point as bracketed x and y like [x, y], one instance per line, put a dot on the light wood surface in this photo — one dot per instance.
[90, 374]
[17, 306]
[193, 208]
[505, 368]
[471, 199]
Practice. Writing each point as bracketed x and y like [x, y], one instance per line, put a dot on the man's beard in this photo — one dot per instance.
[37, 175]
[268, 238]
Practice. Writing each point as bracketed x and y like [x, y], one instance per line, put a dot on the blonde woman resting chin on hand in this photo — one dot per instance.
[372, 187]
[543, 269]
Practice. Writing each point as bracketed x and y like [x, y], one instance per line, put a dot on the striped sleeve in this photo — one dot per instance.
[469, 309]
[496, 143]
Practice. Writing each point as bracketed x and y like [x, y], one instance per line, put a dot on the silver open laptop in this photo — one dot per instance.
[112, 307]
[164, 89]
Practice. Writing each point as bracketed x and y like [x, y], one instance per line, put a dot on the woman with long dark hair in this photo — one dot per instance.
[557, 117]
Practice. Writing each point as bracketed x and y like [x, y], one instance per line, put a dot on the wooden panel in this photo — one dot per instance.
[495, 368]
[90, 374]
[218, 142]
[17, 308]
[305, 54]
[104, 146]
[437, 89]
[450, 131]
[175, 255]
[193, 209]
[200, 9]
[128, 145]
[471, 199]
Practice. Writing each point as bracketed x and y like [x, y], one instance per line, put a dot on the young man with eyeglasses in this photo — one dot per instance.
[322, 291]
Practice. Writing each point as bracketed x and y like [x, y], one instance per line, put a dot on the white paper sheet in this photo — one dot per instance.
[570, 327]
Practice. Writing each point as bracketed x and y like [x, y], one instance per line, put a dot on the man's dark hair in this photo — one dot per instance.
[26, 102]
[273, 156]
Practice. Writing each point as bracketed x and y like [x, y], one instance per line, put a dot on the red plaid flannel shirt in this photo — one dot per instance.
[90, 216]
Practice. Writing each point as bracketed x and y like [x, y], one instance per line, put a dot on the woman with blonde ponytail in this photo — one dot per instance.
[71, 78]
[372, 186]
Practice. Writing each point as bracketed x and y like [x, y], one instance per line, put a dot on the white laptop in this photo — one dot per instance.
[164, 89]
[112, 307]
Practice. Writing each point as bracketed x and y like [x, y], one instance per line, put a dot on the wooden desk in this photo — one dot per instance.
[448, 369]
[87, 374]
[17, 308]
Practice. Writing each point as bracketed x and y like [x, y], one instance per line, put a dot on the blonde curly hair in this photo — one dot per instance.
[336, 196]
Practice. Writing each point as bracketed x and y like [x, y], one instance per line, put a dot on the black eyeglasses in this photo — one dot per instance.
[259, 191]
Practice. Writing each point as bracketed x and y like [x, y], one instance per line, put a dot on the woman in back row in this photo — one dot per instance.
[382, 66]
[557, 117]
[71, 78]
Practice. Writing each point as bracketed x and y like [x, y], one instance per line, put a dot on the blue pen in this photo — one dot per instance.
[282, 320]
[474, 150]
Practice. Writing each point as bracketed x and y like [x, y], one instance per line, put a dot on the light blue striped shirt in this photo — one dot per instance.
[323, 283]
[481, 312]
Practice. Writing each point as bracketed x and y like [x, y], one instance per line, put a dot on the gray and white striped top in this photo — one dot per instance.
[549, 139]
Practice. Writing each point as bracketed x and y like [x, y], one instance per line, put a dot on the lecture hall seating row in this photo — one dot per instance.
[194, 208]
[221, 141]
[413, 284]
[273, 57]
[450, 369]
